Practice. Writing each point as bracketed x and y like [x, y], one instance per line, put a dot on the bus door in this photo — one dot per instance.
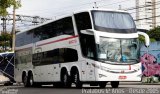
[89, 70]
[88, 48]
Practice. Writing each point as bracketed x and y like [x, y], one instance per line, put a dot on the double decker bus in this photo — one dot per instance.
[93, 47]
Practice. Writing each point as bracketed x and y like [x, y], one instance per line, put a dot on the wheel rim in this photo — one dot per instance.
[76, 78]
[77, 81]
[65, 79]
[31, 81]
[25, 80]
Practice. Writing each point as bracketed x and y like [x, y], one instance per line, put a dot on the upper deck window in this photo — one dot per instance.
[83, 21]
[115, 22]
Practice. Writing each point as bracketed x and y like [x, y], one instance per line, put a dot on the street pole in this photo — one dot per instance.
[13, 29]
[137, 11]
[154, 13]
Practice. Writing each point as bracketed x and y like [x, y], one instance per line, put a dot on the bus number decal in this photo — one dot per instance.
[72, 41]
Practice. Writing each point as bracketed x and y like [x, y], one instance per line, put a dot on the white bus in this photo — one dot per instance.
[93, 47]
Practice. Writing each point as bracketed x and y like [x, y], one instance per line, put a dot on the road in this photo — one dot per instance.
[124, 88]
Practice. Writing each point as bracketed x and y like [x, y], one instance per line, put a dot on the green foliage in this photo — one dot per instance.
[5, 40]
[142, 39]
[154, 33]
[4, 4]
[5, 36]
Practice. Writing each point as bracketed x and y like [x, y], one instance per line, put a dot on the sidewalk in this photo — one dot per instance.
[138, 83]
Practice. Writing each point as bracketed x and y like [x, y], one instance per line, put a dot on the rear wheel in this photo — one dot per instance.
[30, 80]
[115, 84]
[25, 81]
[65, 79]
[77, 81]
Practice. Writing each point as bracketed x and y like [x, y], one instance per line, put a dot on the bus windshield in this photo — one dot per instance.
[118, 50]
[115, 22]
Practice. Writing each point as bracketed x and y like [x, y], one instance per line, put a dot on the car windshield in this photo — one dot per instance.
[116, 22]
[118, 50]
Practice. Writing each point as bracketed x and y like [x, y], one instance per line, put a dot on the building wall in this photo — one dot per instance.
[145, 17]
[150, 59]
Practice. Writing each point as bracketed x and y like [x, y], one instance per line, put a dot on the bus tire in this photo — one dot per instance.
[65, 79]
[25, 81]
[30, 80]
[102, 85]
[77, 80]
[114, 84]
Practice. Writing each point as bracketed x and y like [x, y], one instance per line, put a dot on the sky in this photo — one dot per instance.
[52, 8]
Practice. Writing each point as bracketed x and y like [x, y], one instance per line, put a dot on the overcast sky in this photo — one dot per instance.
[54, 8]
[51, 8]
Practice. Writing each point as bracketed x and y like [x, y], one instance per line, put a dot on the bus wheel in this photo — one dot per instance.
[115, 84]
[77, 81]
[66, 82]
[30, 80]
[25, 81]
[102, 85]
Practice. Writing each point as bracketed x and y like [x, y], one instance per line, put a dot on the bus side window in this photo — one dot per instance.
[19, 40]
[83, 21]
[70, 55]
[60, 27]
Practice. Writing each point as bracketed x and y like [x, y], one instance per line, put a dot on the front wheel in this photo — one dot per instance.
[115, 84]
[102, 85]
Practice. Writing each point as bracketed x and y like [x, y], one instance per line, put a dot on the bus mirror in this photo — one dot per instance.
[87, 32]
[147, 40]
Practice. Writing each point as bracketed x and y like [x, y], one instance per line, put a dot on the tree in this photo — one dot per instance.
[154, 33]
[4, 4]
[5, 40]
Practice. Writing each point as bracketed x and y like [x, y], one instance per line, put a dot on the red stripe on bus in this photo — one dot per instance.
[57, 40]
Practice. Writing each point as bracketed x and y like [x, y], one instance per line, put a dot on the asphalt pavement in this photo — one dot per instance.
[124, 88]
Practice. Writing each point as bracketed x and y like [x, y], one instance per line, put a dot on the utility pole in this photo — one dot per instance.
[4, 31]
[137, 10]
[154, 13]
[13, 28]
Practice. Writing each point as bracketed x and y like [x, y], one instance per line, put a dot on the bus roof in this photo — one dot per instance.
[70, 14]
[102, 9]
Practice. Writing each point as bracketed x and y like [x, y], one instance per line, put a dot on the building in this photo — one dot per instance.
[147, 14]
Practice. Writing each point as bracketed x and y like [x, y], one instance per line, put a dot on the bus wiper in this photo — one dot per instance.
[133, 60]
